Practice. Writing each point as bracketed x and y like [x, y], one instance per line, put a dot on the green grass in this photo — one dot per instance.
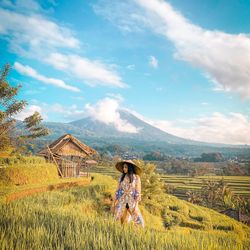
[80, 218]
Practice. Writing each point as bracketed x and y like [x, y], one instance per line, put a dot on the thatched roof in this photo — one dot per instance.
[68, 145]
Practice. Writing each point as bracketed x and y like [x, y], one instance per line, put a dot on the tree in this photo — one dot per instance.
[153, 192]
[216, 194]
[211, 157]
[155, 156]
[11, 106]
[193, 197]
[34, 127]
[241, 203]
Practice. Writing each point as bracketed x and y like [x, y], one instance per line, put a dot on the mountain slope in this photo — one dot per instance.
[90, 127]
[145, 131]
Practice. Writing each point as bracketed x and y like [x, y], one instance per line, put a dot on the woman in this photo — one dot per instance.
[128, 194]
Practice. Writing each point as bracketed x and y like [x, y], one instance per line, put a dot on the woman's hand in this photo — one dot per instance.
[113, 206]
[112, 209]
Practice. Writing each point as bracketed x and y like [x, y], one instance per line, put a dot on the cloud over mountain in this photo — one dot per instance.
[107, 111]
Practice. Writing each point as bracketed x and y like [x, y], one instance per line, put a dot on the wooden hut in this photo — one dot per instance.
[69, 154]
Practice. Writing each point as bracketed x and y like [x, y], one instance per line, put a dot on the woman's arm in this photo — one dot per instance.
[138, 189]
[116, 195]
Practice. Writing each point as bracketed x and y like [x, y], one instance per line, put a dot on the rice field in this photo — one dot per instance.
[239, 185]
[80, 218]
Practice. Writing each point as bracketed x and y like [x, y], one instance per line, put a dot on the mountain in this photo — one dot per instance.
[146, 132]
[148, 138]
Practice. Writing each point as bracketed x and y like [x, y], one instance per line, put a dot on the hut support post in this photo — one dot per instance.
[50, 153]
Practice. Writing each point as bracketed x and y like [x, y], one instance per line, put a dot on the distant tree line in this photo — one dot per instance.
[186, 167]
[172, 165]
[210, 157]
[156, 156]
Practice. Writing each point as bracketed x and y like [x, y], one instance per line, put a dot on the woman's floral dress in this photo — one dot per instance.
[130, 193]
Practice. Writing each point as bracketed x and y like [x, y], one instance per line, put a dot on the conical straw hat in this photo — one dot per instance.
[119, 166]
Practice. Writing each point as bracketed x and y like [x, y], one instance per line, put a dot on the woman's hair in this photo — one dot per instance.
[131, 171]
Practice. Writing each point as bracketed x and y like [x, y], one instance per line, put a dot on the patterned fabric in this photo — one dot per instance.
[130, 193]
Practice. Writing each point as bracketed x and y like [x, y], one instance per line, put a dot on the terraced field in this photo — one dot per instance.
[107, 170]
[181, 184]
[239, 184]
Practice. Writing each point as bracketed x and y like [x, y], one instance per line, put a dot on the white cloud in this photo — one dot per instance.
[28, 71]
[65, 113]
[91, 72]
[28, 111]
[153, 62]
[33, 34]
[224, 58]
[21, 5]
[114, 10]
[106, 111]
[233, 128]
[69, 112]
[131, 67]
[79, 98]
[117, 97]
[28, 4]
[204, 103]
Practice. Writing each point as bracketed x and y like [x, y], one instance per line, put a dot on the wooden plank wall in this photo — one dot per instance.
[70, 169]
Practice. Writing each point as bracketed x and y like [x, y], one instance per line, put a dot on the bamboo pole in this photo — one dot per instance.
[54, 161]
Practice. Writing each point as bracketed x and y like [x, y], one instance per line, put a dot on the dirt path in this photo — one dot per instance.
[23, 193]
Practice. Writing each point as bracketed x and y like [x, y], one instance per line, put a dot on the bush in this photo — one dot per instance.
[153, 193]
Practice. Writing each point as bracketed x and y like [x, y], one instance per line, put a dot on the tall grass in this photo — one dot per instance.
[79, 218]
[53, 229]
[26, 170]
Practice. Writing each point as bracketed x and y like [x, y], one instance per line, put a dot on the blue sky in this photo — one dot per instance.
[182, 66]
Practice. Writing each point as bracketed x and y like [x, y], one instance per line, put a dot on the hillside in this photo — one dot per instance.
[80, 217]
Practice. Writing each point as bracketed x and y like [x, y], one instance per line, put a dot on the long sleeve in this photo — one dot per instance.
[138, 189]
[118, 190]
